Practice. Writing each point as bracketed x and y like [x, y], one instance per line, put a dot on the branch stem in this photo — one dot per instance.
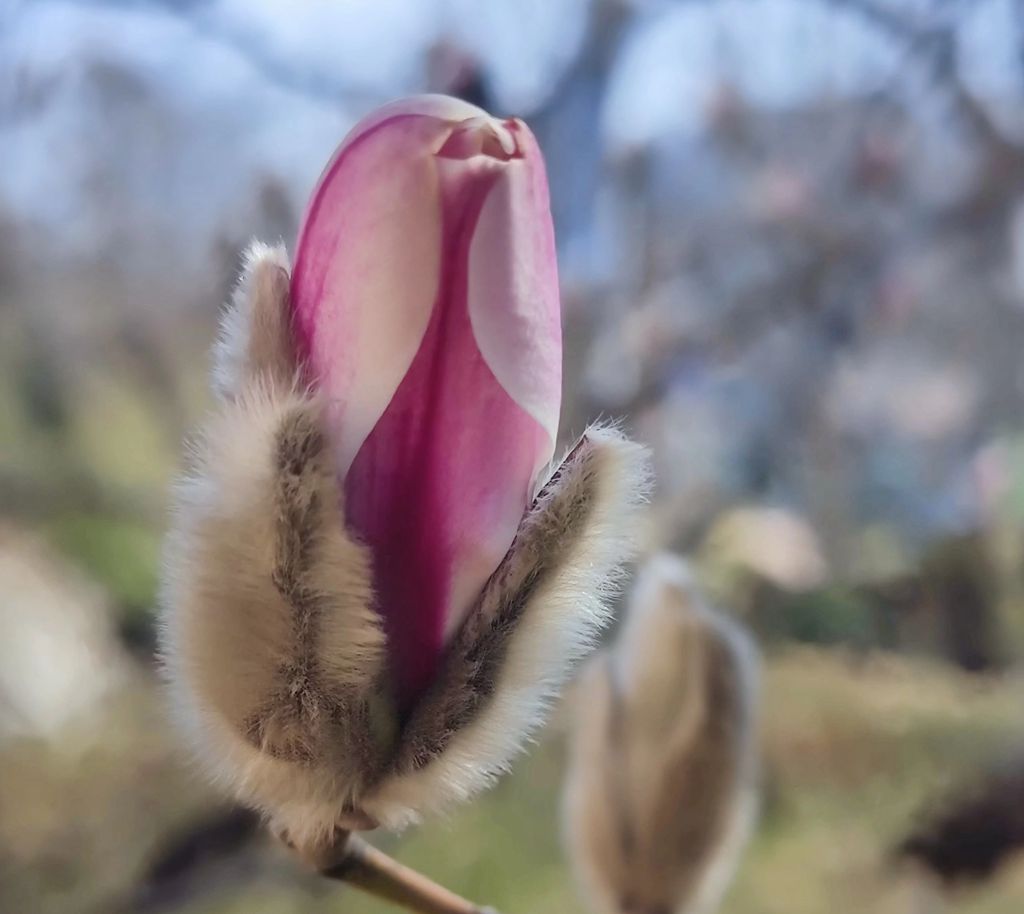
[367, 868]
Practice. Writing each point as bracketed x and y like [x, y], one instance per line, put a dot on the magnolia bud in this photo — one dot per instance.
[661, 798]
[374, 583]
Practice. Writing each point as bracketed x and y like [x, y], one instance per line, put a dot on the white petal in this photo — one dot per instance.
[513, 288]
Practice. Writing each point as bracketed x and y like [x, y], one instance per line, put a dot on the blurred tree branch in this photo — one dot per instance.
[933, 44]
[300, 80]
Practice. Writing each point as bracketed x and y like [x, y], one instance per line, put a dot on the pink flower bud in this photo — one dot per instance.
[373, 587]
[425, 307]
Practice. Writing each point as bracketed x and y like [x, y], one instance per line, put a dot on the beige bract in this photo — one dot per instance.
[661, 795]
[273, 647]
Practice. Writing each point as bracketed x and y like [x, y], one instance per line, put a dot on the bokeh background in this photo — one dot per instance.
[791, 238]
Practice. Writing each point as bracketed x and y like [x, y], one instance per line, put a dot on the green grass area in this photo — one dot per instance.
[853, 748]
[123, 555]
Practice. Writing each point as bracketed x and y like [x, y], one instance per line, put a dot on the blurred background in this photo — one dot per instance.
[791, 238]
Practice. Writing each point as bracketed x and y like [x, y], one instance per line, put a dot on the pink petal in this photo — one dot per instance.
[440, 107]
[366, 271]
[513, 287]
[425, 299]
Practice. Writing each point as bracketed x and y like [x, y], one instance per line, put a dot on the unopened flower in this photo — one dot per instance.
[374, 583]
[660, 798]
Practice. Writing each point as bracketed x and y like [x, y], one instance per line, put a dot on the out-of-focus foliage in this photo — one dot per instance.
[852, 751]
[792, 245]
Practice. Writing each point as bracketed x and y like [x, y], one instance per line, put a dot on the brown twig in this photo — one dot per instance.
[934, 45]
[362, 865]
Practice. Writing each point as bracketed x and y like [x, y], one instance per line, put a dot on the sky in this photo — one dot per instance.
[235, 89]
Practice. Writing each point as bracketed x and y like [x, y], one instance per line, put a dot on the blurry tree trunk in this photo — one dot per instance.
[568, 125]
[959, 588]
[949, 601]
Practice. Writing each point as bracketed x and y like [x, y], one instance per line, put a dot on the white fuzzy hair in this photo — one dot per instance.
[230, 632]
[272, 646]
[661, 798]
[564, 568]
[255, 332]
